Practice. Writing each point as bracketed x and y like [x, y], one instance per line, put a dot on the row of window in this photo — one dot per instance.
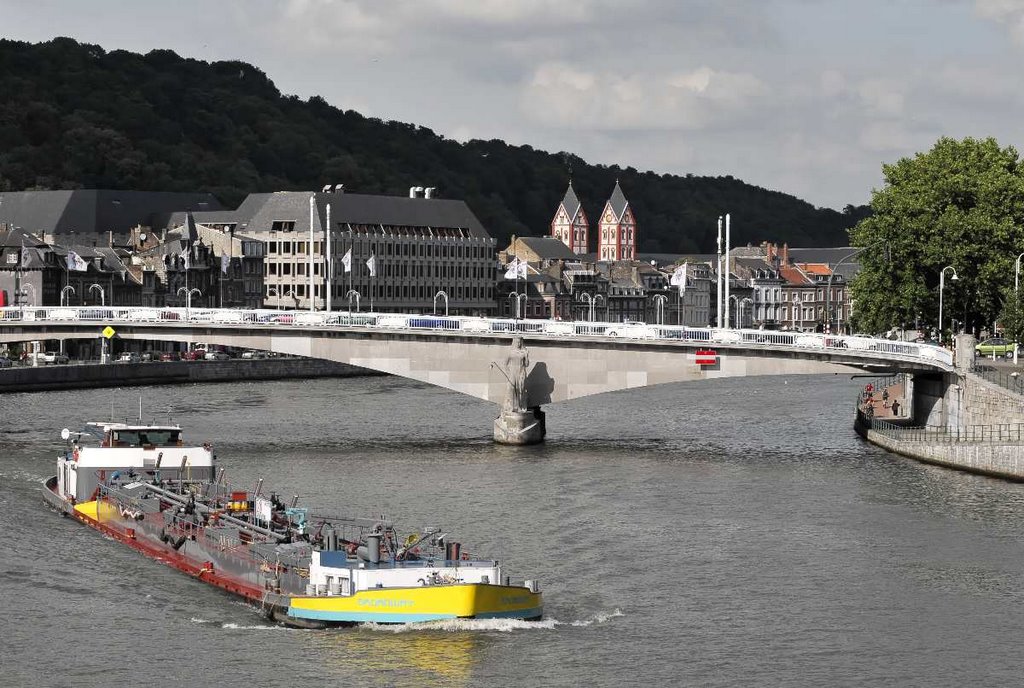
[386, 248]
[383, 292]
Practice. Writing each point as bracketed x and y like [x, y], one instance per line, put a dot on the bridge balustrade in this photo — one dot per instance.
[869, 346]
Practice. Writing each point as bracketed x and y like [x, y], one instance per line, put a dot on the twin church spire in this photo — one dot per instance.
[616, 239]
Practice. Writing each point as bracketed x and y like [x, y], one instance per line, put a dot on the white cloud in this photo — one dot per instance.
[1008, 12]
[563, 95]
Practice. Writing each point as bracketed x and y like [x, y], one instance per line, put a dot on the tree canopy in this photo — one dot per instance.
[961, 205]
[76, 116]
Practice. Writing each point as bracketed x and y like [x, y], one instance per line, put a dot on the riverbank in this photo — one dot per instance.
[55, 377]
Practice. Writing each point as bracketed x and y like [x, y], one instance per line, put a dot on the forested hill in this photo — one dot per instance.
[75, 116]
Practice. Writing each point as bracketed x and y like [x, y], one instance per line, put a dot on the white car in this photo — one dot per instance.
[55, 358]
[144, 315]
[128, 357]
[216, 356]
[254, 354]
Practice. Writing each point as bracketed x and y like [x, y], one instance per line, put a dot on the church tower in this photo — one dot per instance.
[617, 238]
[570, 225]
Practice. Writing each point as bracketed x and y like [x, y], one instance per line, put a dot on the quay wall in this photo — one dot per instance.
[986, 403]
[1001, 460]
[53, 377]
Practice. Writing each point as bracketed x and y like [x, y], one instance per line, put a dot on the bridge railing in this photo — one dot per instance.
[865, 346]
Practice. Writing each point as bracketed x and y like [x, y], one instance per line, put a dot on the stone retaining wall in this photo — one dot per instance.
[34, 379]
[987, 458]
[986, 403]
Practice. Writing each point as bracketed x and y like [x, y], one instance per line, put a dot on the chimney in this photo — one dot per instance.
[429, 192]
[339, 188]
[785, 255]
[326, 189]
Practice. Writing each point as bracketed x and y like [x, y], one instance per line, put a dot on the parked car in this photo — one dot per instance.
[128, 357]
[254, 354]
[169, 356]
[216, 356]
[194, 355]
[54, 358]
[995, 345]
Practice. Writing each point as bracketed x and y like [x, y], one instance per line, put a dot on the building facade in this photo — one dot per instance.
[617, 233]
[570, 224]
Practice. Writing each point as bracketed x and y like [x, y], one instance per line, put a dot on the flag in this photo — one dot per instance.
[76, 262]
[516, 269]
[184, 257]
[372, 264]
[346, 260]
[25, 257]
[225, 261]
[679, 277]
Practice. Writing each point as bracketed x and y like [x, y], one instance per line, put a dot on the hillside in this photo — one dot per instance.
[76, 116]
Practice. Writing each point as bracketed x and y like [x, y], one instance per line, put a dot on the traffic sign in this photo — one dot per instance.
[109, 332]
[706, 357]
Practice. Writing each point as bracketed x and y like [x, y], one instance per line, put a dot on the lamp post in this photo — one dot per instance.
[1016, 275]
[831, 274]
[103, 296]
[942, 285]
[591, 302]
[797, 316]
[24, 287]
[659, 307]
[277, 295]
[438, 295]
[188, 298]
[520, 299]
[739, 308]
[352, 293]
[63, 298]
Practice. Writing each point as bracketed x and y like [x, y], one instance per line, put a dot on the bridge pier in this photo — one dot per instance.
[520, 427]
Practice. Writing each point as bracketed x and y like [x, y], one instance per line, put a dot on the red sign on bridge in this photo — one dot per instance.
[706, 357]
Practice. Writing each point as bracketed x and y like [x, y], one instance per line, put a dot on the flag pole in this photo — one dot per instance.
[312, 210]
[329, 260]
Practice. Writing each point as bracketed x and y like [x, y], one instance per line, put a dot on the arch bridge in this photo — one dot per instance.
[519, 364]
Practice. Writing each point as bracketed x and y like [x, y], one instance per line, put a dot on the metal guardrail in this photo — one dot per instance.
[1002, 433]
[867, 347]
[1007, 380]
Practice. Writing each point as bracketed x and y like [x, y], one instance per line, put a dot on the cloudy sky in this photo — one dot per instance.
[809, 97]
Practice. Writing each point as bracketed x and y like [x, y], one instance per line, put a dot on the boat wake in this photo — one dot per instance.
[231, 626]
[495, 625]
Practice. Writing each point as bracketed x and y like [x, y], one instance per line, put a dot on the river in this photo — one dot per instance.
[724, 533]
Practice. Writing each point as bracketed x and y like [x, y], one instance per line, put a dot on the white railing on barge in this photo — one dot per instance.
[868, 347]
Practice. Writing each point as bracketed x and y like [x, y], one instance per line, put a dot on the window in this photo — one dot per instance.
[282, 226]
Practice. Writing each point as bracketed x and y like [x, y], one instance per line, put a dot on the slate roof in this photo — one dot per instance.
[548, 248]
[571, 203]
[259, 211]
[94, 211]
[618, 201]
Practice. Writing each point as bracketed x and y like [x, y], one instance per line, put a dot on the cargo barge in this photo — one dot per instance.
[142, 486]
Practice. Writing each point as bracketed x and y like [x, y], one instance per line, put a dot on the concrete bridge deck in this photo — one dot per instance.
[555, 360]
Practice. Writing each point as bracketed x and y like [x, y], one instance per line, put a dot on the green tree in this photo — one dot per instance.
[960, 204]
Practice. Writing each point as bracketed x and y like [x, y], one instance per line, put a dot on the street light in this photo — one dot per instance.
[831, 274]
[797, 315]
[659, 307]
[520, 299]
[349, 295]
[445, 295]
[64, 293]
[188, 298]
[942, 285]
[739, 308]
[1016, 275]
[591, 302]
[103, 296]
[277, 295]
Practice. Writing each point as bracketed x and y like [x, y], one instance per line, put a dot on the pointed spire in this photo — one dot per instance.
[570, 202]
[618, 200]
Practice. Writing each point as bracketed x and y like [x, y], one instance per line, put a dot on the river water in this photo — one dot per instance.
[726, 533]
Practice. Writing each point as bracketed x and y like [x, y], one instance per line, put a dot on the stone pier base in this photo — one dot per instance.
[520, 427]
